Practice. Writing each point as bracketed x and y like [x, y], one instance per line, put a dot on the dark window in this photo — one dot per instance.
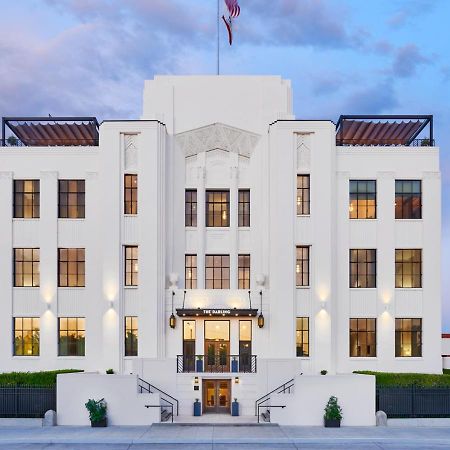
[363, 268]
[71, 336]
[190, 271]
[217, 208]
[190, 208]
[26, 267]
[244, 272]
[363, 199]
[408, 199]
[408, 337]
[217, 273]
[244, 208]
[131, 336]
[245, 345]
[131, 194]
[71, 267]
[303, 195]
[302, 336]
[188, 345]
[71, 199]
[26, 199]
[26, 336]
[131, 265]
[363, 337]
[408, 268]
[302, 266]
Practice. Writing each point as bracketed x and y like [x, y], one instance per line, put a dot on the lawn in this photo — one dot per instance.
[32, 378]
[408, 379]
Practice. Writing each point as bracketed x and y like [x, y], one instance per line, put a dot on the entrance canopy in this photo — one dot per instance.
[221, 312]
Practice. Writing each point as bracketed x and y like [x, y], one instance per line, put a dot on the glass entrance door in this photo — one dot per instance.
[217, 346]
[216, 396]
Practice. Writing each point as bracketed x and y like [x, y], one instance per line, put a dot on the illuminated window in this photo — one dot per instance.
[245, 346]
[303, 195]
[190, 271]
[71, 267]
[363, 340]
[363, 199]
[131, 265]
[131, 336]
[190, 208]
[244, 272]
[302, 336]
[26, 267]
[217, 273]
[217, 208]
[26, 199]
[408, 199]
[408, 268]
[26, 336]
[71, 331]
[188, 345]
[408, 337]
[244, 208]
[71, 199]
[363, 268]
[302, 266]
[131, 194]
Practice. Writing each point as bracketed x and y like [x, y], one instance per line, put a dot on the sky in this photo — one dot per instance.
[91, 57]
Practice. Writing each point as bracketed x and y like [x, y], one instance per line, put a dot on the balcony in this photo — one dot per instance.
[217, 363]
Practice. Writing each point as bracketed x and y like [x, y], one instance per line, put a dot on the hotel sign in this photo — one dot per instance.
[217, 312]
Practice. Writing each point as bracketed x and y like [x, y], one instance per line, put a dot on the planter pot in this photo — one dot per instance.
[332, 423]
[234, 365]
[99, 424]
[199, 365]
[235, 408]
[197, 408]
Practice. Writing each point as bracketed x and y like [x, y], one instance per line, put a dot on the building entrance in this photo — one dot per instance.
[216, 396]
[217, 346]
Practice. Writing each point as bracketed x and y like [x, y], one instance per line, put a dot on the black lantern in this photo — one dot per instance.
[172, 319]
[260, 317]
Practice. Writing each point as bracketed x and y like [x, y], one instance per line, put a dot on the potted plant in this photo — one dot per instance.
[323, 372]
[197, 407]
[235, 408]
[97, 412]
[333, 413]
[234, 364]
[199, 363]
[110, 371]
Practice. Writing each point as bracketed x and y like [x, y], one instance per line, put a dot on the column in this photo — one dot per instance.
[234, 174]
[201, 221]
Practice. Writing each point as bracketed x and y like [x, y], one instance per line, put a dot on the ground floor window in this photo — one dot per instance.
[131, 336]
[188, 345]
[26, 336]
[245, 345]
[363, 339]
[408, 337]
[71, 333]
[302, 336]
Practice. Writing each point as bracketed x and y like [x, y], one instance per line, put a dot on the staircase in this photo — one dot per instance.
[169, 405]
[263, 406]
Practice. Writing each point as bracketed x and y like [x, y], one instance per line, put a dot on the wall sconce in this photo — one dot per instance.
[172, 320]
[236, 380]
[111, 304]
[49, 306]
[195, 380]
[260, 317]
[323, 306]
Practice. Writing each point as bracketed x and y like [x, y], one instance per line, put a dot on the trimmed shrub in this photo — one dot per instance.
[32, 378]
[408, 379]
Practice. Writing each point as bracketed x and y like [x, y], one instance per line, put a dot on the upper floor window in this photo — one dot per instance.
[303, 195]
[408, 199]
[363, 341]
[190, 271]
[244, 272]
[363, 199]
[408, 337]
[190, 208]
[217, 208]
[71, 199]
[71, 267]
[302, 266]
[408, 268]
[131, 336]
[71, 336]
[131, 265]
[26, 199]
[26, 267]
[244, 208]
[26, 336]
[217, 273]
[363, 268]
[131, 194]
[302, 336]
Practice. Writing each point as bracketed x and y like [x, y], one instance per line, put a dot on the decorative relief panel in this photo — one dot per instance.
[71, 232]
[72, 302]
[408, 302]
[27, 302]
[131, 151]
[304, 151]
[363, 303]
[25, 233]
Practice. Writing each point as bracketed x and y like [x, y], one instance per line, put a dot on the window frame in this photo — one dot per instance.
[130, 207]
[365, 332]
[244, 282]
[300, 264]
[190, 282]
[222, 281]
[400, 215]
[400, 333]
[400, 264]
[244, 208]
[22, 262]
[35, 194]
[80, 193]
[303, 195]
[362, 196]
[80, 263]
[134, 274]
[224, 207]
[77, 330]
[304, 332]
[133, 349]
[32, 330]
[367, 274]
[190, 208]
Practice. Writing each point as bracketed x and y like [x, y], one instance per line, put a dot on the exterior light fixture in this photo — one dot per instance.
[49, 306]
[172, 320]
[323, 306]
[111, 304]
[236, 380]
[195, 380]
[260, 317]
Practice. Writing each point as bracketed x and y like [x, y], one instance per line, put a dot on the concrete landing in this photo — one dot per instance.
[215, 419]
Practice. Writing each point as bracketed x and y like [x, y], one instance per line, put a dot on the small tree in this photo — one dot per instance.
[332, 410]
[97, 410]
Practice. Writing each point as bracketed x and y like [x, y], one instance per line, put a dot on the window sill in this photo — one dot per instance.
[130, 357]
[362, 288]
[408, 358]
[303, 215]
[362, 220]
[70, 288]
[244, 228]
[409, 220]
[26, 357]
[130, 287]
[68, 219]
[304, 358]
[26, 287]
[362, 358]
[408, 289]
[130, 215]
[191, 228]
[302, 287]
[71, 357]
[217, 228]
[25, 219]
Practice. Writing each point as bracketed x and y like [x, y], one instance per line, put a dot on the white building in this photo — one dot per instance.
[278, 251]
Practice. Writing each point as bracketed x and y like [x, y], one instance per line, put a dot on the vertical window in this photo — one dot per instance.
[363, 199]
[217, 273]
[131, 336]
[71, 267]
[217, 208]
[131, 265]
[190, 208]
[302, 266]
[26, 267]
[190, 271]
[363, 338]
[302, 336]
[26, 199]
[71, 336]
[244, 208]
[26, 336]
[131, 194]
[408, 337]
[303, 195]
[245, 346]
[363, 268]
[188, 345]
[71, 199]
[408, 268]
[244, 271]
[408, 199]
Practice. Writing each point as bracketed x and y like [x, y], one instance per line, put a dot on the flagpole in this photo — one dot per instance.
[218, 38]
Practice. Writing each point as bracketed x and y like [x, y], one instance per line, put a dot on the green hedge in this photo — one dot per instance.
[408, 379]
[32, 378]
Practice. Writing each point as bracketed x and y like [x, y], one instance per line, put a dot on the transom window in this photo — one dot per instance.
[71, 336]
[26, 199]
[131, 194]
[244, 271]
[217, 208]
[303, 195]
[302, 336]
[363, 199]
[71, 267]
[26, 267]
[244, 208]
[217, 273]
[408, 337]
[408, 268]
[71, 199]
[302, 266]
[408, 199]
[131, 336]
[131, 265]
[190, 271]
[363, 341]
[26, 336]
[363, 268]
[190, 208]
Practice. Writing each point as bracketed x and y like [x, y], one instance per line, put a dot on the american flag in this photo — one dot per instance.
[233, 12]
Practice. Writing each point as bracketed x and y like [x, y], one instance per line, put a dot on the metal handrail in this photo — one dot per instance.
[268, 407]
[279, 390]
[161, 406]
[151, 389]
[217, 363]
